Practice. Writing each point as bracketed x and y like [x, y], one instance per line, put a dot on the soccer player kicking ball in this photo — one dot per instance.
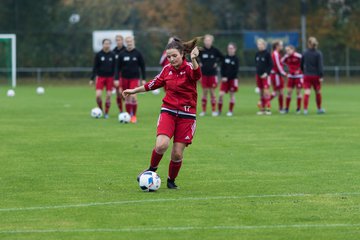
[312, 67]
[292, 60]
[103, 70]
[178, 112]
[263, 65]
[229, 81]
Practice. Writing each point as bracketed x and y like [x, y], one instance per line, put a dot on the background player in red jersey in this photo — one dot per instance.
[229, 81]
[292, 60]
[277, 74]
[312, 67]
[178, 112]
[103, 71]
[209, 57]
[163, 60]
[117, 50]
[130, 65]
[263, 65]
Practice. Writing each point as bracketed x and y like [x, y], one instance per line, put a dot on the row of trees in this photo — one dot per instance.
[46, 37]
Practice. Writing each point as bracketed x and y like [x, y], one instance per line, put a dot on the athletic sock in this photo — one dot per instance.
[107, 106]
[231, 105]
[99, 102]
[267, 102]
[306, 101]
[281, 101]
[155, 159]
[288, 100]
[134, 108]
[128, 107]
[213, 104]
[119, 103]
[263, 103]
[220, 104]
[203, 104]
[299, 102]
[174, 168]
[318, 100]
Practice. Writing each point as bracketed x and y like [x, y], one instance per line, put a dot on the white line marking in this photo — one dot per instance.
[180, 228]
[175, 199]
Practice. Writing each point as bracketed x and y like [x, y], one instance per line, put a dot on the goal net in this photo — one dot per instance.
[8, 59]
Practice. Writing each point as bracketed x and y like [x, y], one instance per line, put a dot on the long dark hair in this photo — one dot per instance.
[183, 47]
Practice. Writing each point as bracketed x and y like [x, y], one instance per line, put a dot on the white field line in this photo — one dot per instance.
[175, 199]
[179, 228]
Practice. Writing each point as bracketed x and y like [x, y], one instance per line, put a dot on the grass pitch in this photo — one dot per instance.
[64, 175]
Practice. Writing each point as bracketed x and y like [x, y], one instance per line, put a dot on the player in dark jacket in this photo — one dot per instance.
[103, 71]
[130, 65]
[263, 65]
[210, 57]
[312, 67]
[117, 50]
[229, 80]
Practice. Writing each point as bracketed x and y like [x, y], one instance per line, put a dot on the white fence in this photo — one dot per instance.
[337, 73]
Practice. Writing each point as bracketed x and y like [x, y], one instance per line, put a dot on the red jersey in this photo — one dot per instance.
[277, 66]
[163, 60]
[293, 62]
[180, 85]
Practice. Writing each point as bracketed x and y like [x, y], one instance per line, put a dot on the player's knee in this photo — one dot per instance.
[176, 155]
[161, 147]
[307, 91]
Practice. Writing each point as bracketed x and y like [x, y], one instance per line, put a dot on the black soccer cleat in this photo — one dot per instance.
[171, 184]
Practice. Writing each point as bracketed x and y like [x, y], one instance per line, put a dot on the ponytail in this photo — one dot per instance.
[184, 47]
[313, 42]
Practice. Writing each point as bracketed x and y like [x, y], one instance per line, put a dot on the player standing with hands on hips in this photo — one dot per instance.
[103, 71]
[263, 65]
[209, 59]
[178, 112]
[229, 80]
[312, 67]
[117, 50]
[130, 64]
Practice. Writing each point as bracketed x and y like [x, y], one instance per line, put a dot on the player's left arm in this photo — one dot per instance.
[196, 72]
[142, 68]
[320, 67]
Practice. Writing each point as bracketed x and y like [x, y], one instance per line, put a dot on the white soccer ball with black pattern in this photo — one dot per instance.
[149, 181]
[96, 113]
[124, 117]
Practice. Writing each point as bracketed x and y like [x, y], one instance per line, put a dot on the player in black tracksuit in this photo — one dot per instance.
[210, 57]
[103, 71]
[117, 50]
[229, 80]
[264, 64]
[130, 65]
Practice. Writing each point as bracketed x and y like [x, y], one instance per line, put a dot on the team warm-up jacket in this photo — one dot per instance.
[230, 67]
[208, 58]
[312, 63]
[293, 62]
[117, 51]
[104, 64]
[130, 64]
[277, 64]
[263, 62]
[180, 85]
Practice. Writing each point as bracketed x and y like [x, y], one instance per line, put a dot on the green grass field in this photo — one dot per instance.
[64, 175]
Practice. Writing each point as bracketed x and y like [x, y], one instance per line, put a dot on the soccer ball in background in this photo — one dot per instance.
[10, 93]
[124, 117]
[40, 90]
[149, 181]
[156, 91]
[96, 113]
[257, 90]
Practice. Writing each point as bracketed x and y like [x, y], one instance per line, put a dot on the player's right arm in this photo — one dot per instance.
[95, 69]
